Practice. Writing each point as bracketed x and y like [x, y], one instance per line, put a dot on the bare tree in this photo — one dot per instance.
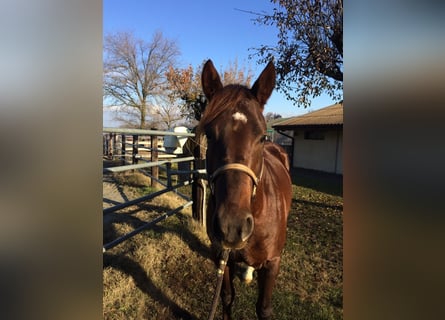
[234, 73]
[134, 75]
[309, 51]
[167, 113]
[272, 116]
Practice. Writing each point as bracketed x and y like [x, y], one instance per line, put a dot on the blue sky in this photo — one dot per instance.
[204, 30]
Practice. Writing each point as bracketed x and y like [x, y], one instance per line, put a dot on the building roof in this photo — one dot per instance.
[331, 115]
[273, 122]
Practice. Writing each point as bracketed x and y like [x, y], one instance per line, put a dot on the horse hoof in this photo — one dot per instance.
[248, 274]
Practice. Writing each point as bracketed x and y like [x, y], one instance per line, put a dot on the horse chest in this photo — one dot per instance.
[258, 251]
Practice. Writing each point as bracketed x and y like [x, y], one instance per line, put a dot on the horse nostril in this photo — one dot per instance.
[249, 222]
[248, 227]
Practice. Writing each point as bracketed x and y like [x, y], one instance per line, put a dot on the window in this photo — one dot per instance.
[313, 135]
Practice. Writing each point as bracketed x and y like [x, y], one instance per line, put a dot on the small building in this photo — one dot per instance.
[283, 138]
[317, 139]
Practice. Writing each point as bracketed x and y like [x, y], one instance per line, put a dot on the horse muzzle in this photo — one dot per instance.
[235, 230]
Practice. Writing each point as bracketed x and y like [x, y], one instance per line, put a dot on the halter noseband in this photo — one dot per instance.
[239, 167]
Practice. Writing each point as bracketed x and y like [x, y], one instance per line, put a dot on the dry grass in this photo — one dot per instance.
[132, 179]
[167, 273]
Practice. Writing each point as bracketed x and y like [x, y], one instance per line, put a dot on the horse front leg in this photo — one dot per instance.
[228, 290]
[266, 282]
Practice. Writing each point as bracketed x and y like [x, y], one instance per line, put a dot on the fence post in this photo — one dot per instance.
[123, 146]
[104, 144]
[135, 148]
[184, 166]
[199, 183]
[109, 146]
[114, 149]
[169, 175]
[154, 158]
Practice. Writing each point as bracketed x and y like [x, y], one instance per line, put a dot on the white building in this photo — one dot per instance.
[317, 139]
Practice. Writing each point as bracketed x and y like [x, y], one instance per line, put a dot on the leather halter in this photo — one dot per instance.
[238, 167]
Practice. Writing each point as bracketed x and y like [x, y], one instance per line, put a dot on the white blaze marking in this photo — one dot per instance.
[248, 274]
[239, 117]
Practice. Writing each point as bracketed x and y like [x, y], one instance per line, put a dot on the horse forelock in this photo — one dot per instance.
[226, 100]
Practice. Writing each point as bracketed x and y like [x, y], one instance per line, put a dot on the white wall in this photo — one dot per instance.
[323, 155]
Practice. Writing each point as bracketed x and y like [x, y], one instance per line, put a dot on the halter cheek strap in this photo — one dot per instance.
[239, 167]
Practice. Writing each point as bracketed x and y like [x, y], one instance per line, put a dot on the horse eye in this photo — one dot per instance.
[263, 138]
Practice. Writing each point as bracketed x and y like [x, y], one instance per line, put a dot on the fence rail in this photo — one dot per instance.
[147, 132]
[146, 165]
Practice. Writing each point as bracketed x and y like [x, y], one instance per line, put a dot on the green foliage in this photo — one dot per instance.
[195, 105]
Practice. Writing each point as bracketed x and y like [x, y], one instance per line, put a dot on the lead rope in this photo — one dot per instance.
[219, 275]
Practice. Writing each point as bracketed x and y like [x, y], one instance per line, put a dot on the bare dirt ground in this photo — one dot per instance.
[119, 188]
[113, 193]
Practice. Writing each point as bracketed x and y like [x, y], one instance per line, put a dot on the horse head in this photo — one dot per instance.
[235, 129]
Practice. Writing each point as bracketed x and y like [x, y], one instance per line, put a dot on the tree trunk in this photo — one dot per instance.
[143, 115]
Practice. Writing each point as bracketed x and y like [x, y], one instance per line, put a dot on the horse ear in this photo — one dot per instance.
[210, 80]
[263, 86]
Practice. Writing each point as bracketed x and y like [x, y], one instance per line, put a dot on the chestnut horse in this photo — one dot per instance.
[251, 189]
